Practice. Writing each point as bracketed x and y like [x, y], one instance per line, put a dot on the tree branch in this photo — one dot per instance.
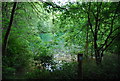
[107, 45]
[90, 21]
[36, 10]
[55, 6]
[111, 29]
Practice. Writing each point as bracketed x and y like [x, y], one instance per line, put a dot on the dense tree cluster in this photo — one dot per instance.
[33, 32]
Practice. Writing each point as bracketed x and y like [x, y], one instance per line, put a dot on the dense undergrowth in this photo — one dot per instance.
[109, 69]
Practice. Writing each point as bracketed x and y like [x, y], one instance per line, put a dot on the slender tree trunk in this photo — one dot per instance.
[95, 48]
[86, 46]
[4, 46]
[97, 24]
[92, 48]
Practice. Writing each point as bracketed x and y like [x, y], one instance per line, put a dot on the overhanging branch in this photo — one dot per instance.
[111, 32]
[107, 45]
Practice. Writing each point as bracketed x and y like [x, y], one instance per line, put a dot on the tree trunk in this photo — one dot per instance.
[97, 52]
[86, 46]
[97, 58]
[8, 30]
[92, 48]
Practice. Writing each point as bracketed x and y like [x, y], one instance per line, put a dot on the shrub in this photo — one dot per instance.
[38, 74]
[8, 72]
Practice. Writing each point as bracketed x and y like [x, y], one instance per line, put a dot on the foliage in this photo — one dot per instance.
[41, 30]
[38, 74]
[8, 72]
[108, 69]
